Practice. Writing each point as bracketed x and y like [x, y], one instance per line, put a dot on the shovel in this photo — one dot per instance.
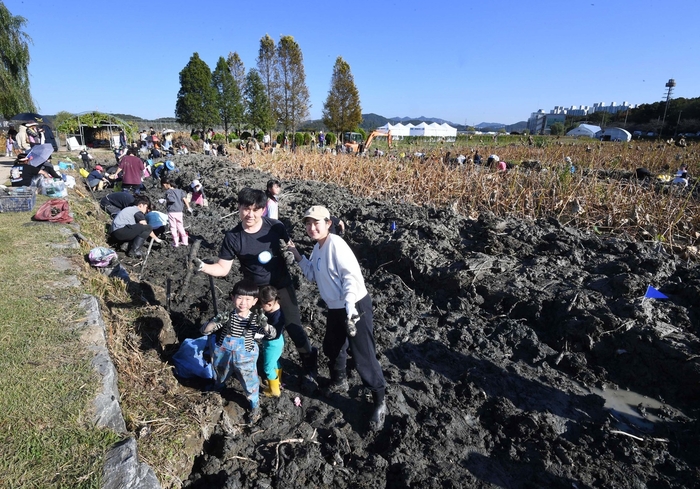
[143, 266]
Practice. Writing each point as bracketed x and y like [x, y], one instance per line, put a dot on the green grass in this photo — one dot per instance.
[47, 382]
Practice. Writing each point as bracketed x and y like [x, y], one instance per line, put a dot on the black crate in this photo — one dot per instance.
[20, 199]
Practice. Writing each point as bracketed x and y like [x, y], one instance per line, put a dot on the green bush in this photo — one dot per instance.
[219, 137]
[330, 139]
[299, 139]
[195, 137]
[307, 138]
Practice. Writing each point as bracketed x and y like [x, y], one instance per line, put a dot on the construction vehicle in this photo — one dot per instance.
[353, 141]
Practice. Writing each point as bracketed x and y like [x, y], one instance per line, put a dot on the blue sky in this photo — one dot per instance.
[460, 60]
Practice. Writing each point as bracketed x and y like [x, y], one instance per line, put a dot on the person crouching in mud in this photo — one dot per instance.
[336, 271]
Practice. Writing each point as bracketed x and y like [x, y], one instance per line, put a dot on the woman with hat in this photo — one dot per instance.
[336, 271]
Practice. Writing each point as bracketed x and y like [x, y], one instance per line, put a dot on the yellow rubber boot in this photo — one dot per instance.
[272, 389]
[279, 374]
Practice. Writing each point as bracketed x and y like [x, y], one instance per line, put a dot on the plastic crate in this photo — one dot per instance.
[19, 199]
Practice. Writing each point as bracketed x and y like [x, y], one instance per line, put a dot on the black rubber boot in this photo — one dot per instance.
[339, 382]
[376, 422]
[136, 244]
[310, 362]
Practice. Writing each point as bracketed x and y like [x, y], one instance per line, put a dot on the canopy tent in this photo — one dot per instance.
[89, 129]
[399, 130]
[434, 130]
[614, 134]
[585, 130]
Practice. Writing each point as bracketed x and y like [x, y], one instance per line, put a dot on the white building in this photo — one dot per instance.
[584, 130]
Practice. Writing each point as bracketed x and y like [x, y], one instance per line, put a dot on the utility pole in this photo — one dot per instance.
[669, 91]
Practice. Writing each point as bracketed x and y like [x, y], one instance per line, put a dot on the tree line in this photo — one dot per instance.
[273, 95]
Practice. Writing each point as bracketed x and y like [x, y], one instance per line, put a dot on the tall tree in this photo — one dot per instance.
[267, 67]
[229, 99]
[258, 111]
[15, 95]
[237, 68]
[293, 106]
[341, 110]
[196, 100]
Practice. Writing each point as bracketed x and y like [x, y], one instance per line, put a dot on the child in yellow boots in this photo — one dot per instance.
[272, 345]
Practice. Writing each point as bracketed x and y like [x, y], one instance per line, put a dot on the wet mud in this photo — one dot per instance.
[518, 354]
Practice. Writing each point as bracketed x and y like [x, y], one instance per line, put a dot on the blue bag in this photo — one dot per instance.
[189, 361]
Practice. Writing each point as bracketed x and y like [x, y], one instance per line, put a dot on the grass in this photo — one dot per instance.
[47, 382]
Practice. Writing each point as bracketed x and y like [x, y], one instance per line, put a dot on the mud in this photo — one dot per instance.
[491, 334]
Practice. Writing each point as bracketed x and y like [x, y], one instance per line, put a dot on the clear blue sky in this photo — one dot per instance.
[459, 60]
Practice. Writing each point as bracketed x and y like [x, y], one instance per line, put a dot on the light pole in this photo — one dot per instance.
[669, 86]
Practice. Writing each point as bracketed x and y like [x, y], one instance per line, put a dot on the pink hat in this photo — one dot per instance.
[98, 167]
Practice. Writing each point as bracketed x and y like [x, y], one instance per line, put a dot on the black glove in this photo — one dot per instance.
[198, 264]
[262, 319]
[288, 255]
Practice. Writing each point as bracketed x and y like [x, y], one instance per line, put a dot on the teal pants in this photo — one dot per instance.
[271, 352]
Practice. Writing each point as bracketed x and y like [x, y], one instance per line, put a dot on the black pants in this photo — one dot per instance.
[364, 350]
[130, 231]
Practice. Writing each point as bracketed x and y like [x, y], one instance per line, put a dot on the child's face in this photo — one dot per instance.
[275, 189]
[244, 303]
[270, 306]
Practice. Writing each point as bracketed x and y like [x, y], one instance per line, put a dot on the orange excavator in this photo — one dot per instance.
[353, 140]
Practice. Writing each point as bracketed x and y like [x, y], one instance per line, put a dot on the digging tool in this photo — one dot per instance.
[227, 215]
[143, 265]
[213, 295]
[168, 284]
[192, 255]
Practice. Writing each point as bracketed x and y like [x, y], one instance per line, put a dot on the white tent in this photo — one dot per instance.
[614, 134]
[397, 130]
[420, 130]
[585, 130]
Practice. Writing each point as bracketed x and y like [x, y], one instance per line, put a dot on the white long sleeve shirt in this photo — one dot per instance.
[336, 271]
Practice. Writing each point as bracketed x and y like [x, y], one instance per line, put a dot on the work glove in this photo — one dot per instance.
[189, 209]
[158, 240]
[197, 264]
[262, 319]
[161, 201]
[352, 318]
[286, 253]
[270, 332]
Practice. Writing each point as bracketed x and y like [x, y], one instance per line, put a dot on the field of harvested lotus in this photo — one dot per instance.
[512, 320]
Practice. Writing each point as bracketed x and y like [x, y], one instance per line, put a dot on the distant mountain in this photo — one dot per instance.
[372, 121]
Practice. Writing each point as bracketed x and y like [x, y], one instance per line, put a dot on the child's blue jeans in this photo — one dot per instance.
[232, 358]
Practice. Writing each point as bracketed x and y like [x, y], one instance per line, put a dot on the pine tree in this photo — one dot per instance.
[196, 100]
[258, 111]
[229, 99]
[15, 95]
[293, 95]
[341, 110]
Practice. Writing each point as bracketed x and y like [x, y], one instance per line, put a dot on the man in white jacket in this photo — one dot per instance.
[336, 271]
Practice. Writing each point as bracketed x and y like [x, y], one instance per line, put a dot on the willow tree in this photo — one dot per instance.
[15, 95]
[341, 110]
[292, 93]
[196, 100]
[229, 101]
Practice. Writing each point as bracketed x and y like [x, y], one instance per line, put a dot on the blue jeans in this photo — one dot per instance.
[231, 358]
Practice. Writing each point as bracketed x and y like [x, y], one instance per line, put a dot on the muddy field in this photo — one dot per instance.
[517, 354]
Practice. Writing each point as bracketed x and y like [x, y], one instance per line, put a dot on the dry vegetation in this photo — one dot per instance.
[602, 194]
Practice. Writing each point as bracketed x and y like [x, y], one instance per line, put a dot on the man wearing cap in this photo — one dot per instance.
[131, 169]
[336, 271]
[257, 243]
